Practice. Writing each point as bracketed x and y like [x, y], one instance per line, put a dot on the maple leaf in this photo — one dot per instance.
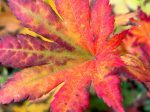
[81, 53]
[143, 16]
[136, 47]
[141, 32]
[124, 18]
[137, 69]
[7, 20]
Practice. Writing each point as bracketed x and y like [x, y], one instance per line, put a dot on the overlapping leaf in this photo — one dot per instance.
[8, 23]
[137, 46]
[143, 16]
[141, 32]
[137, 69]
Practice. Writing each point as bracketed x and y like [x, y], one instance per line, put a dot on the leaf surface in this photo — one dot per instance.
[53, 6]
[137, 69]
[105, 81]
[102, 22]
[137, 46]
[74, 93]
[108, 89]
[30, 83]
[8, 23]
[88, 56]
[77, 24]
[141, 31]
[32, 16]
[24, 50]
[52, 27]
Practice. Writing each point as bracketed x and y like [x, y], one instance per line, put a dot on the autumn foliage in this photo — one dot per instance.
[82, 52]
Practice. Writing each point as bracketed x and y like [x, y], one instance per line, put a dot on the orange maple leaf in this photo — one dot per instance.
[137, 50]
[82, 54]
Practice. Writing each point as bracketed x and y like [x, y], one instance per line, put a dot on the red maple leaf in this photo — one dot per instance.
[137, 50]
[82, 54]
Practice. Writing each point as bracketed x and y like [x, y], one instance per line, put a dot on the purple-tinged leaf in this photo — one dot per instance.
[24, 50]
